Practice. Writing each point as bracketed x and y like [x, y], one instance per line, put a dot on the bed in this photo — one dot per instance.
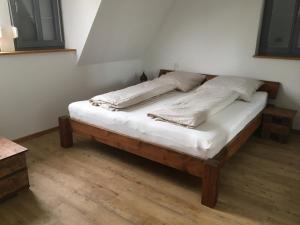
[201, 151]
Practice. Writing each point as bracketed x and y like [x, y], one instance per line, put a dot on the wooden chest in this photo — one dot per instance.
[13, 169]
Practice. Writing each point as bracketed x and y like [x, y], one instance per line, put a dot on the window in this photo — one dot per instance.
[280, 32]
[39, 23]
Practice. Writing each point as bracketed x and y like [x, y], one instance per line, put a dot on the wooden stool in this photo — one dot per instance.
[13, 169]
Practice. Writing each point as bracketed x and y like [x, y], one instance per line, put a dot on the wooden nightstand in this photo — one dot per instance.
[277, 122]
[13, 169]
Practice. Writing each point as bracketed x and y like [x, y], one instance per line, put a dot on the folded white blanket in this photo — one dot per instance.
[132, 95]
[194, 109]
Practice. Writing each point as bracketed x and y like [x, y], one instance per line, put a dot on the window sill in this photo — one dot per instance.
[37, 51]
[276, 57]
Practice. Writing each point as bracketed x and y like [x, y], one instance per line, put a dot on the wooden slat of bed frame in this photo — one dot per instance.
[155, 153]
[271, 87]
[161, 154]
[244, 135]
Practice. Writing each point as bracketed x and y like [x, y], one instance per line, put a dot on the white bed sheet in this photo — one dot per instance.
[203, 142]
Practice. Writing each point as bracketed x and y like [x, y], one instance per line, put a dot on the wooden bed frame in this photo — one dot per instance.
[208, 170]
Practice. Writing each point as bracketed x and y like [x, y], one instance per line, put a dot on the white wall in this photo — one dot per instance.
[123, 30]
[35, 90]
[78, 18]
[100, 78]
[219, 37]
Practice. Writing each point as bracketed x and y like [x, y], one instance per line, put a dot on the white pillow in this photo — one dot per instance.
[184, 81]
[246, 87]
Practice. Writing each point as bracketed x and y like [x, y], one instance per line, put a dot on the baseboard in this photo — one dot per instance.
[35, 135]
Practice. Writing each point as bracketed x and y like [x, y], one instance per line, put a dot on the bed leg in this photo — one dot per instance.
[65, 132]
[210, 182]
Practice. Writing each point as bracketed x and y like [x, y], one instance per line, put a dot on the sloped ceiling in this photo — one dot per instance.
[123, 30]
[78, 18]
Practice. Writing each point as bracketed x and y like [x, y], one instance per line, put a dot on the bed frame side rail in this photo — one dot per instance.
[146, 150]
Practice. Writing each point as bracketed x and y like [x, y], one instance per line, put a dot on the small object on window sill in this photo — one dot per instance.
[7, 36]
[144, 77]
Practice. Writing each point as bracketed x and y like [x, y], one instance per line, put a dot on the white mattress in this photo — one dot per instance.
[203, 142]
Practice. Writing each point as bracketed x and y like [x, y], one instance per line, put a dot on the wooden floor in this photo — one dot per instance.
[94, 184]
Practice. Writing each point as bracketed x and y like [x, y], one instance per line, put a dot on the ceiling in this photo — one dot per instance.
[123, 30]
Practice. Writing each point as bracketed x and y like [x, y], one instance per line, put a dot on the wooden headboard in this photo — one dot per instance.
[271, 87]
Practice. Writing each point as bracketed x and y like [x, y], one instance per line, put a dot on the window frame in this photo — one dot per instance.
[292, 50]
[296, 36]
[59, 42]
